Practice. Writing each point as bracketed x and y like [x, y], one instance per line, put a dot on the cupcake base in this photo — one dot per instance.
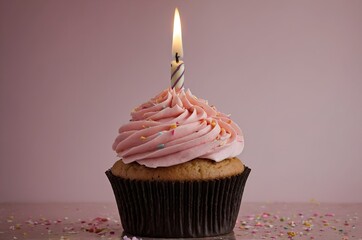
[229, 236]
[178, 209]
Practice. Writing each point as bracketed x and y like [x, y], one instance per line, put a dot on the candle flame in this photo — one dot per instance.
[177, 36]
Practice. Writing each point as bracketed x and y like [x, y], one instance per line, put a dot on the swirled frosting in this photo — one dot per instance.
[175, 127]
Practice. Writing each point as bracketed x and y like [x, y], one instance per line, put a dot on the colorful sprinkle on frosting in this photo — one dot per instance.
[193, 125]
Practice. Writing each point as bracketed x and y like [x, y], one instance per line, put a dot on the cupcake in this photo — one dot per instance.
[178, 174]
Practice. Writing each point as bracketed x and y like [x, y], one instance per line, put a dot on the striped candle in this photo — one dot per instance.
[177, 74]
[177, 65]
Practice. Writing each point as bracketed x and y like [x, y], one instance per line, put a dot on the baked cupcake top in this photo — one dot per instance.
[196, 169]
[175, 127]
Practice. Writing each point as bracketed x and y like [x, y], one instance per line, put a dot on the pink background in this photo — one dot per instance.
[289, 72]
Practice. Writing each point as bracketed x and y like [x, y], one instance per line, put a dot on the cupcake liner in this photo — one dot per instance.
[179, 209]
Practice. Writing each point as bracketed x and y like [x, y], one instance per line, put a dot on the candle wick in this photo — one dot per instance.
[177, 57]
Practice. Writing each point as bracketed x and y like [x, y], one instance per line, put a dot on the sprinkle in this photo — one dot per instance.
[173, 126]
[159, 133]
[143, 138]
[258, 224]
[329, 215]
[229, 121]
[160, 146]
[127, 238]
[292, 224]
[292, 234]
[67, 229]
[307, 223]
[246, 227]
[213, 123]
[173, 131]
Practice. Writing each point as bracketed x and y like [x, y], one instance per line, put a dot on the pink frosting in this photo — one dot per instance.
[175, 127]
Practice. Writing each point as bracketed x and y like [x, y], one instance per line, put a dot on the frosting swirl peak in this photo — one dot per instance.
[175, 127]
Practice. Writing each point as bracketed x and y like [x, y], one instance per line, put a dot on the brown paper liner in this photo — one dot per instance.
[178, 209]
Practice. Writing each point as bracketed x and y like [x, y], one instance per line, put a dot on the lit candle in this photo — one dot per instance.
[177, 65]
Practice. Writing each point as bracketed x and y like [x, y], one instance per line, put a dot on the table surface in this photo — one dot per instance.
[63, 221]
